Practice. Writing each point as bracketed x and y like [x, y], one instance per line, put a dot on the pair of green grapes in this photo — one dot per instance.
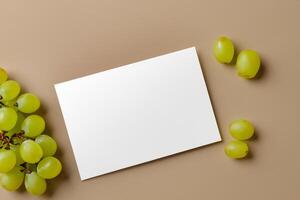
[241, 130]
[247, 63]
[26, 155]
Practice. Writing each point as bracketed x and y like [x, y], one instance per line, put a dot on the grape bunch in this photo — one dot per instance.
[26, 155]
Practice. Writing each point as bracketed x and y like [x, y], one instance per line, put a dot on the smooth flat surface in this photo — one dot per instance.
[137, 113]
[43, 43]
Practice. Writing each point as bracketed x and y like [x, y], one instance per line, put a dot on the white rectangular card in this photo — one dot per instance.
[137, 113]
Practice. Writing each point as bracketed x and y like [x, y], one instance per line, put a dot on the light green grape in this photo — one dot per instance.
[17, 127]
[34, 184]
[7, 160]
[248, 63]
[223, 49]
[48, 144]
[8, 118]
[241, 129]
[9, 90]
[33, 126]
[49, 167]
[236, 149]
[16, 149]
[3, 75]
[30, 151]
[13, 179]
[28, 103]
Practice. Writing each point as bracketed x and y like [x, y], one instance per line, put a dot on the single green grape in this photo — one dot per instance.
[223, 49]
[241, 129]
[7, 160]
[9, 90]
[13, 179]
[3, 75]
[17, 127]
[30, 151]
[16, 149]
[34, 184]
[28, 103]
[33, 126]
[48, 144]
[8, 118]
[49, 167]
[248, 63]
[236, 149]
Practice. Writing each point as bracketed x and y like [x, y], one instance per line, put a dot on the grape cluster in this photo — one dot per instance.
[26, 155]
[247, 63]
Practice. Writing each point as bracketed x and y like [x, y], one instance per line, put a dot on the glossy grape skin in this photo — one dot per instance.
[7, 160]
[33, 126]
[17, 127]
[16, 149]
[34, 184]
[28, 103]
[9, 90]
[13, 179]
[248, 64]
[223, 49]
[49, 167]
[236, 149]
[8, 118]
[30, 151]
[241, 129]
[48, 145]
[3, 75]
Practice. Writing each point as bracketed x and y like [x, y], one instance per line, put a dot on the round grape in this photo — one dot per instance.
[9, 90]
[236, 149]
[7, 160]
[48, 144]
[28, 103]
[17, 127]
[33, 126]
[8, 118]
[3, 75]
[49, 167]
[16, 149]
[241, 129]
[34, 184]
[13, 179]
[223, 49]
[30, 151]
[248, 63]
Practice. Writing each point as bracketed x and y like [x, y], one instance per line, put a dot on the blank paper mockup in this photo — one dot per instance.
[137, 113]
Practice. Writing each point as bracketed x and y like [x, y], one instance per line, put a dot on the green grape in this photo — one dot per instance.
[13, 179]
[30, 151]
[34, 184]
[3, 75]
[49, 167]
[241, 129]
[48, 144]
[9, 90]
[7, 160]
[28, 103]
[17, 127]
[223, 49]
[8, 118]
[33, 126]
[16, 149]
[248, 63]
[236, 149]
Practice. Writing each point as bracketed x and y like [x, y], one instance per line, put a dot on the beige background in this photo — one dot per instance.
[45, 42]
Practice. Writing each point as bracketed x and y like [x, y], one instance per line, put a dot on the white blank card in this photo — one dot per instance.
[137, 113]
